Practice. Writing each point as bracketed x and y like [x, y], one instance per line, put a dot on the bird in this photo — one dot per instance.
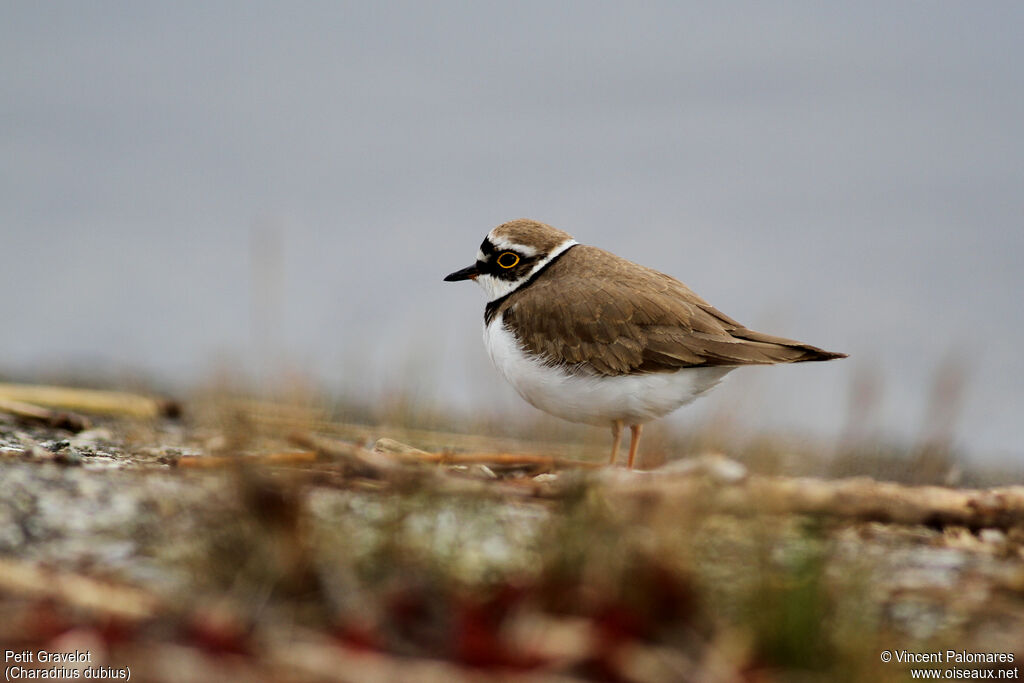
[593, 338]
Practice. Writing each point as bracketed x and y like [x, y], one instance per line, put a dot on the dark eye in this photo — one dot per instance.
[508, 259]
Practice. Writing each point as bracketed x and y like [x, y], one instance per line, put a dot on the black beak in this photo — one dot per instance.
[469, 273]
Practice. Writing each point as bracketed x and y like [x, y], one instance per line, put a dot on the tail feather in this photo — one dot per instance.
[782, 350]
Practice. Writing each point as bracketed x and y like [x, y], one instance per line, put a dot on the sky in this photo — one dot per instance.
[188, 184]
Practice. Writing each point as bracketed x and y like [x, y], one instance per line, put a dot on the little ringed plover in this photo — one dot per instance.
[590, 337]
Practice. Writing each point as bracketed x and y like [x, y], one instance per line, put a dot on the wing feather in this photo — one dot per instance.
[635, 320]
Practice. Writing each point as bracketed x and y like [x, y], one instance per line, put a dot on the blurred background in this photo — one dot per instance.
[276, 190]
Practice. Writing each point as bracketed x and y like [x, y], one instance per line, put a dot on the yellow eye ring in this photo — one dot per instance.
[508, 259]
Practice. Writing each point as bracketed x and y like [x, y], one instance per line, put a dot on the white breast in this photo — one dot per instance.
[594, 399]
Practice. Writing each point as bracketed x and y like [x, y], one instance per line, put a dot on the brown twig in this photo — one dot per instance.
[315, 419]
[410, 471]
[23, 578]
[406, 452]
[53, 418]
[506, 459]
[362, 461]
[859, 498]
[214, 461]
[88, 400]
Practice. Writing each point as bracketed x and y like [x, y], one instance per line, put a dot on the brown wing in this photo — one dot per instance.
[621, 318]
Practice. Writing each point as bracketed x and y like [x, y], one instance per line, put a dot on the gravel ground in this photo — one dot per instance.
[307, 572]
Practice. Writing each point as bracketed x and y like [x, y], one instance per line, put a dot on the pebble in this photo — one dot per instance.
[714, 465]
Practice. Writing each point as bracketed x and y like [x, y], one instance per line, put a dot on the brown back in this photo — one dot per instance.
[593, 312]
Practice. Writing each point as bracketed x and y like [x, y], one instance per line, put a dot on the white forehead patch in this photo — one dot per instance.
[502, 244]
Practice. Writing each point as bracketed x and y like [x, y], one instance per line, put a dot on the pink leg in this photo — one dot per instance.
[634, 442]
[616, 438]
